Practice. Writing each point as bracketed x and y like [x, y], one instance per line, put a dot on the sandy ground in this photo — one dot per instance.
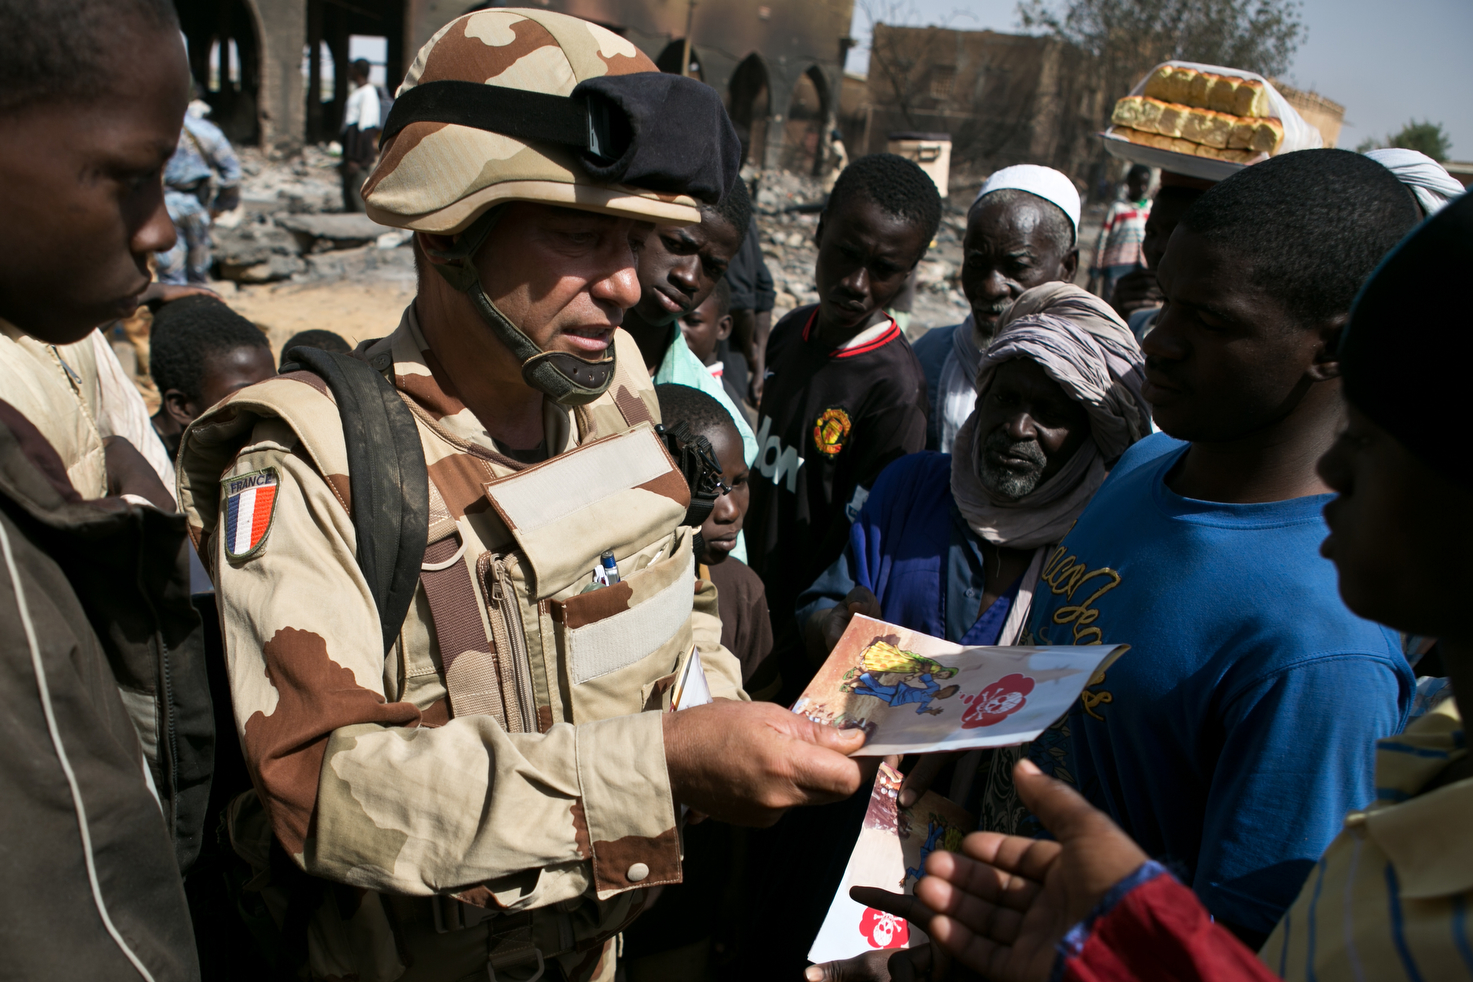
[366, 303]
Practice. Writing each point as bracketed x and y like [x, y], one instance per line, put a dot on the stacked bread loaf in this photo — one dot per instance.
[1200, 113]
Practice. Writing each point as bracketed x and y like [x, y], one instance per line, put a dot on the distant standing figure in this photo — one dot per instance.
[201, 180]
[360, 135]
[838, 159]
[1119, 248]
[752, 300]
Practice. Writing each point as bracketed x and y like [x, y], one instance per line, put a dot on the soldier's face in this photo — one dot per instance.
[565, 277]
[81, 189]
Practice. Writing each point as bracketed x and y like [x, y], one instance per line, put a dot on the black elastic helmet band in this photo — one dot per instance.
[581, 123]
[649, 130]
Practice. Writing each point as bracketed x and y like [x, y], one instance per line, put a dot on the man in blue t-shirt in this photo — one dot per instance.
[1237, 732]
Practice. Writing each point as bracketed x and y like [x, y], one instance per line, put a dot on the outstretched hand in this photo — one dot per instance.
[748, 762]
[903, 965]
[1004, 902]
[160, 293]
[861, 600]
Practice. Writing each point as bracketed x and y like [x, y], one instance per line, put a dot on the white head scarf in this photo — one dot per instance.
[1045, 182]
[1423, 176]
[1082, 344]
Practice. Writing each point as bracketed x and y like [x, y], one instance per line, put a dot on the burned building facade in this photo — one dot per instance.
[777, 65]
[1003, 98]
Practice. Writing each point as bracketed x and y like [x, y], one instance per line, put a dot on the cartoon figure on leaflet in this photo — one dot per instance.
[941, 836]
[900, 678]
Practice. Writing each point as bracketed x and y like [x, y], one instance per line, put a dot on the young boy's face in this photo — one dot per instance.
[224, 373]
[704, 328]
[679, 267]
[864, 255]
[719, 531]
[1135, 185]
[1394, 523]
[82, 194]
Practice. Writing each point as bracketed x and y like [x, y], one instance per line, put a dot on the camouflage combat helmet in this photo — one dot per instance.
[509, 105]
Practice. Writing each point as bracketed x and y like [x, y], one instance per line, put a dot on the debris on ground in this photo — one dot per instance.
[291, 257]
[787, 207]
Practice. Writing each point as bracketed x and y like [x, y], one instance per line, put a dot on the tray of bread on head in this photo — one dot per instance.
[1205, 121]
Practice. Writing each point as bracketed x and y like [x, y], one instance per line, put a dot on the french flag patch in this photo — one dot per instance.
[250, 503]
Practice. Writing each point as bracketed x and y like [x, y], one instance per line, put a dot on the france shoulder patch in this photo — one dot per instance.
[250, 504]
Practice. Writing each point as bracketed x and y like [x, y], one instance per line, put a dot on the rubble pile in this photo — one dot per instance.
[303, 184]
[778, 191]
[291, 226]
[291, 219]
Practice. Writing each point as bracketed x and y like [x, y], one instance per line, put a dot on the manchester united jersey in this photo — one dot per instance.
[829, 422]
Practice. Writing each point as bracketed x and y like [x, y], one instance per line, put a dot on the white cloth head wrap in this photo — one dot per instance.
[1423, 176]
[1082, 344]
[1045, 182]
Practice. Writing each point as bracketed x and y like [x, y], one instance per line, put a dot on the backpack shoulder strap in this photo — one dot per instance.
[387, 477]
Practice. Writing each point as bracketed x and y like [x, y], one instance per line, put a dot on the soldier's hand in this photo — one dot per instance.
[748, 762]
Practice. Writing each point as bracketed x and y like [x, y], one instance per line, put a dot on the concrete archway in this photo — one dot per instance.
[749, 95]
[226, 52]
[669, 60]
[809, 109]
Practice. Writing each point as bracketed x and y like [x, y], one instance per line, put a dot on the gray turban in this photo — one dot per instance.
[1082, 344]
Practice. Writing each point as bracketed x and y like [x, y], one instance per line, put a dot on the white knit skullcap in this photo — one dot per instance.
[1045, 182]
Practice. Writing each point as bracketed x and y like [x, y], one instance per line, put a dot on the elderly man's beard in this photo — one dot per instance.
[1022, 476]
[985, 319]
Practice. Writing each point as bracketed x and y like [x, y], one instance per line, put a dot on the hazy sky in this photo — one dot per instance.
[1385, 61]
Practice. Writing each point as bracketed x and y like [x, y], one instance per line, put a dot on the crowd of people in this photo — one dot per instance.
[374, 661]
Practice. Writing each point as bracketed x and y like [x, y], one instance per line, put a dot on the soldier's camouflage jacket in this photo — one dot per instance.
[501, 751]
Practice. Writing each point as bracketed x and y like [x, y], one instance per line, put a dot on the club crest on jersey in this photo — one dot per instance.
[250, 504]
[830, 431]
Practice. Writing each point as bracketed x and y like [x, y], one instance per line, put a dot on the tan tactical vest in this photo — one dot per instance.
[501, 627]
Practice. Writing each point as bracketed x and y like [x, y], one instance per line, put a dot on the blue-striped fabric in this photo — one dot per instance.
[1389, 899]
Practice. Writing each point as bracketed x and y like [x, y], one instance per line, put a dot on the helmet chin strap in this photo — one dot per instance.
[566, 378]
